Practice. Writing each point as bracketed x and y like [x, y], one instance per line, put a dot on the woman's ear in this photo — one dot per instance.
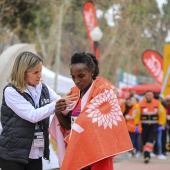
[92, 72]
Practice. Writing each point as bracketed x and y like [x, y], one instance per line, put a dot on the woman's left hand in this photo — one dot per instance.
[64, 120]
[64, 102]
[70, 98]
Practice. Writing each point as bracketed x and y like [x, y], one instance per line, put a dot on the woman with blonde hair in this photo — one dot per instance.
[26, 105]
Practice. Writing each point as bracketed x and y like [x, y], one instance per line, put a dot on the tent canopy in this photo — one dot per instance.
[143, 88]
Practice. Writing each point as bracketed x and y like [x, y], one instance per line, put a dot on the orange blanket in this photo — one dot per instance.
[99, 131]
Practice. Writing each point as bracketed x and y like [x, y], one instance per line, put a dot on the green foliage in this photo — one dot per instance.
[138, 25]
[166, 16]
[25, 16]
[138, 29]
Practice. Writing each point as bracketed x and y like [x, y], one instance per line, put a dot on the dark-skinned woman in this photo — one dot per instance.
[97, 127]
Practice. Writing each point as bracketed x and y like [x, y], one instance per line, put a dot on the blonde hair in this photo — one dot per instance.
[24, 63]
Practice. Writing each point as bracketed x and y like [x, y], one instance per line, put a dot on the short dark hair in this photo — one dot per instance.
[149, 91]
[89, 59]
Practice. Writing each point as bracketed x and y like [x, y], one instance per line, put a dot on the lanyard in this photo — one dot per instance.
[36, 104]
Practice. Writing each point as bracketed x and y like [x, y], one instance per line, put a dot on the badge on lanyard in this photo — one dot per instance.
[38, 138]
[73, 119]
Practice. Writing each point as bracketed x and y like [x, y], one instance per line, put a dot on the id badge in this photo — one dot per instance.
[73, 119]
[38, 138]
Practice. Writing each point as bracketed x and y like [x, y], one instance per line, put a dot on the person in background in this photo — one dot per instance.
[133, 131]
[126, 114]
[167, 99]
[152, 116]
[161, 136]
[95, 118]
[138, 130]
[26, 105]
[128, 106]
[120, 100]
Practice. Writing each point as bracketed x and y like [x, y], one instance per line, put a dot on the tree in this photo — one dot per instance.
[138, 25]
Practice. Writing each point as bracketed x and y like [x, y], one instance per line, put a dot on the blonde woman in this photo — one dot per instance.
[26, 105]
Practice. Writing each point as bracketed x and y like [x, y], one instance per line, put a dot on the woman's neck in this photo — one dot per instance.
[82, 92]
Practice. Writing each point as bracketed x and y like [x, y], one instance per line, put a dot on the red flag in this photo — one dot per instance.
[153, 61]
[89, 14]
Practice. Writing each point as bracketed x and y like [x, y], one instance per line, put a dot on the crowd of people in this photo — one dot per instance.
[148, 123]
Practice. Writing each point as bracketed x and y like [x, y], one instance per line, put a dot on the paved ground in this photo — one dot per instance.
[121, 162]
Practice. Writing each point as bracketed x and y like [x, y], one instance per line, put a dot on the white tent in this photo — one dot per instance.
[7, 59]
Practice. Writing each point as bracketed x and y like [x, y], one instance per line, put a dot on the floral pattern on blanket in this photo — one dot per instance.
[104, 109]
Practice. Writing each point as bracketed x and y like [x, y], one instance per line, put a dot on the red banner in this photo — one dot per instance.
[153, 61]
[89, 14]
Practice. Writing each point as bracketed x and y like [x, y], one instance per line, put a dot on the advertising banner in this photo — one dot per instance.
[166, 70]
[89, 14]
[153, 61]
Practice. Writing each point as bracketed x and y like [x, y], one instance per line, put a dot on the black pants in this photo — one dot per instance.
[33, 164]
[149, 135]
